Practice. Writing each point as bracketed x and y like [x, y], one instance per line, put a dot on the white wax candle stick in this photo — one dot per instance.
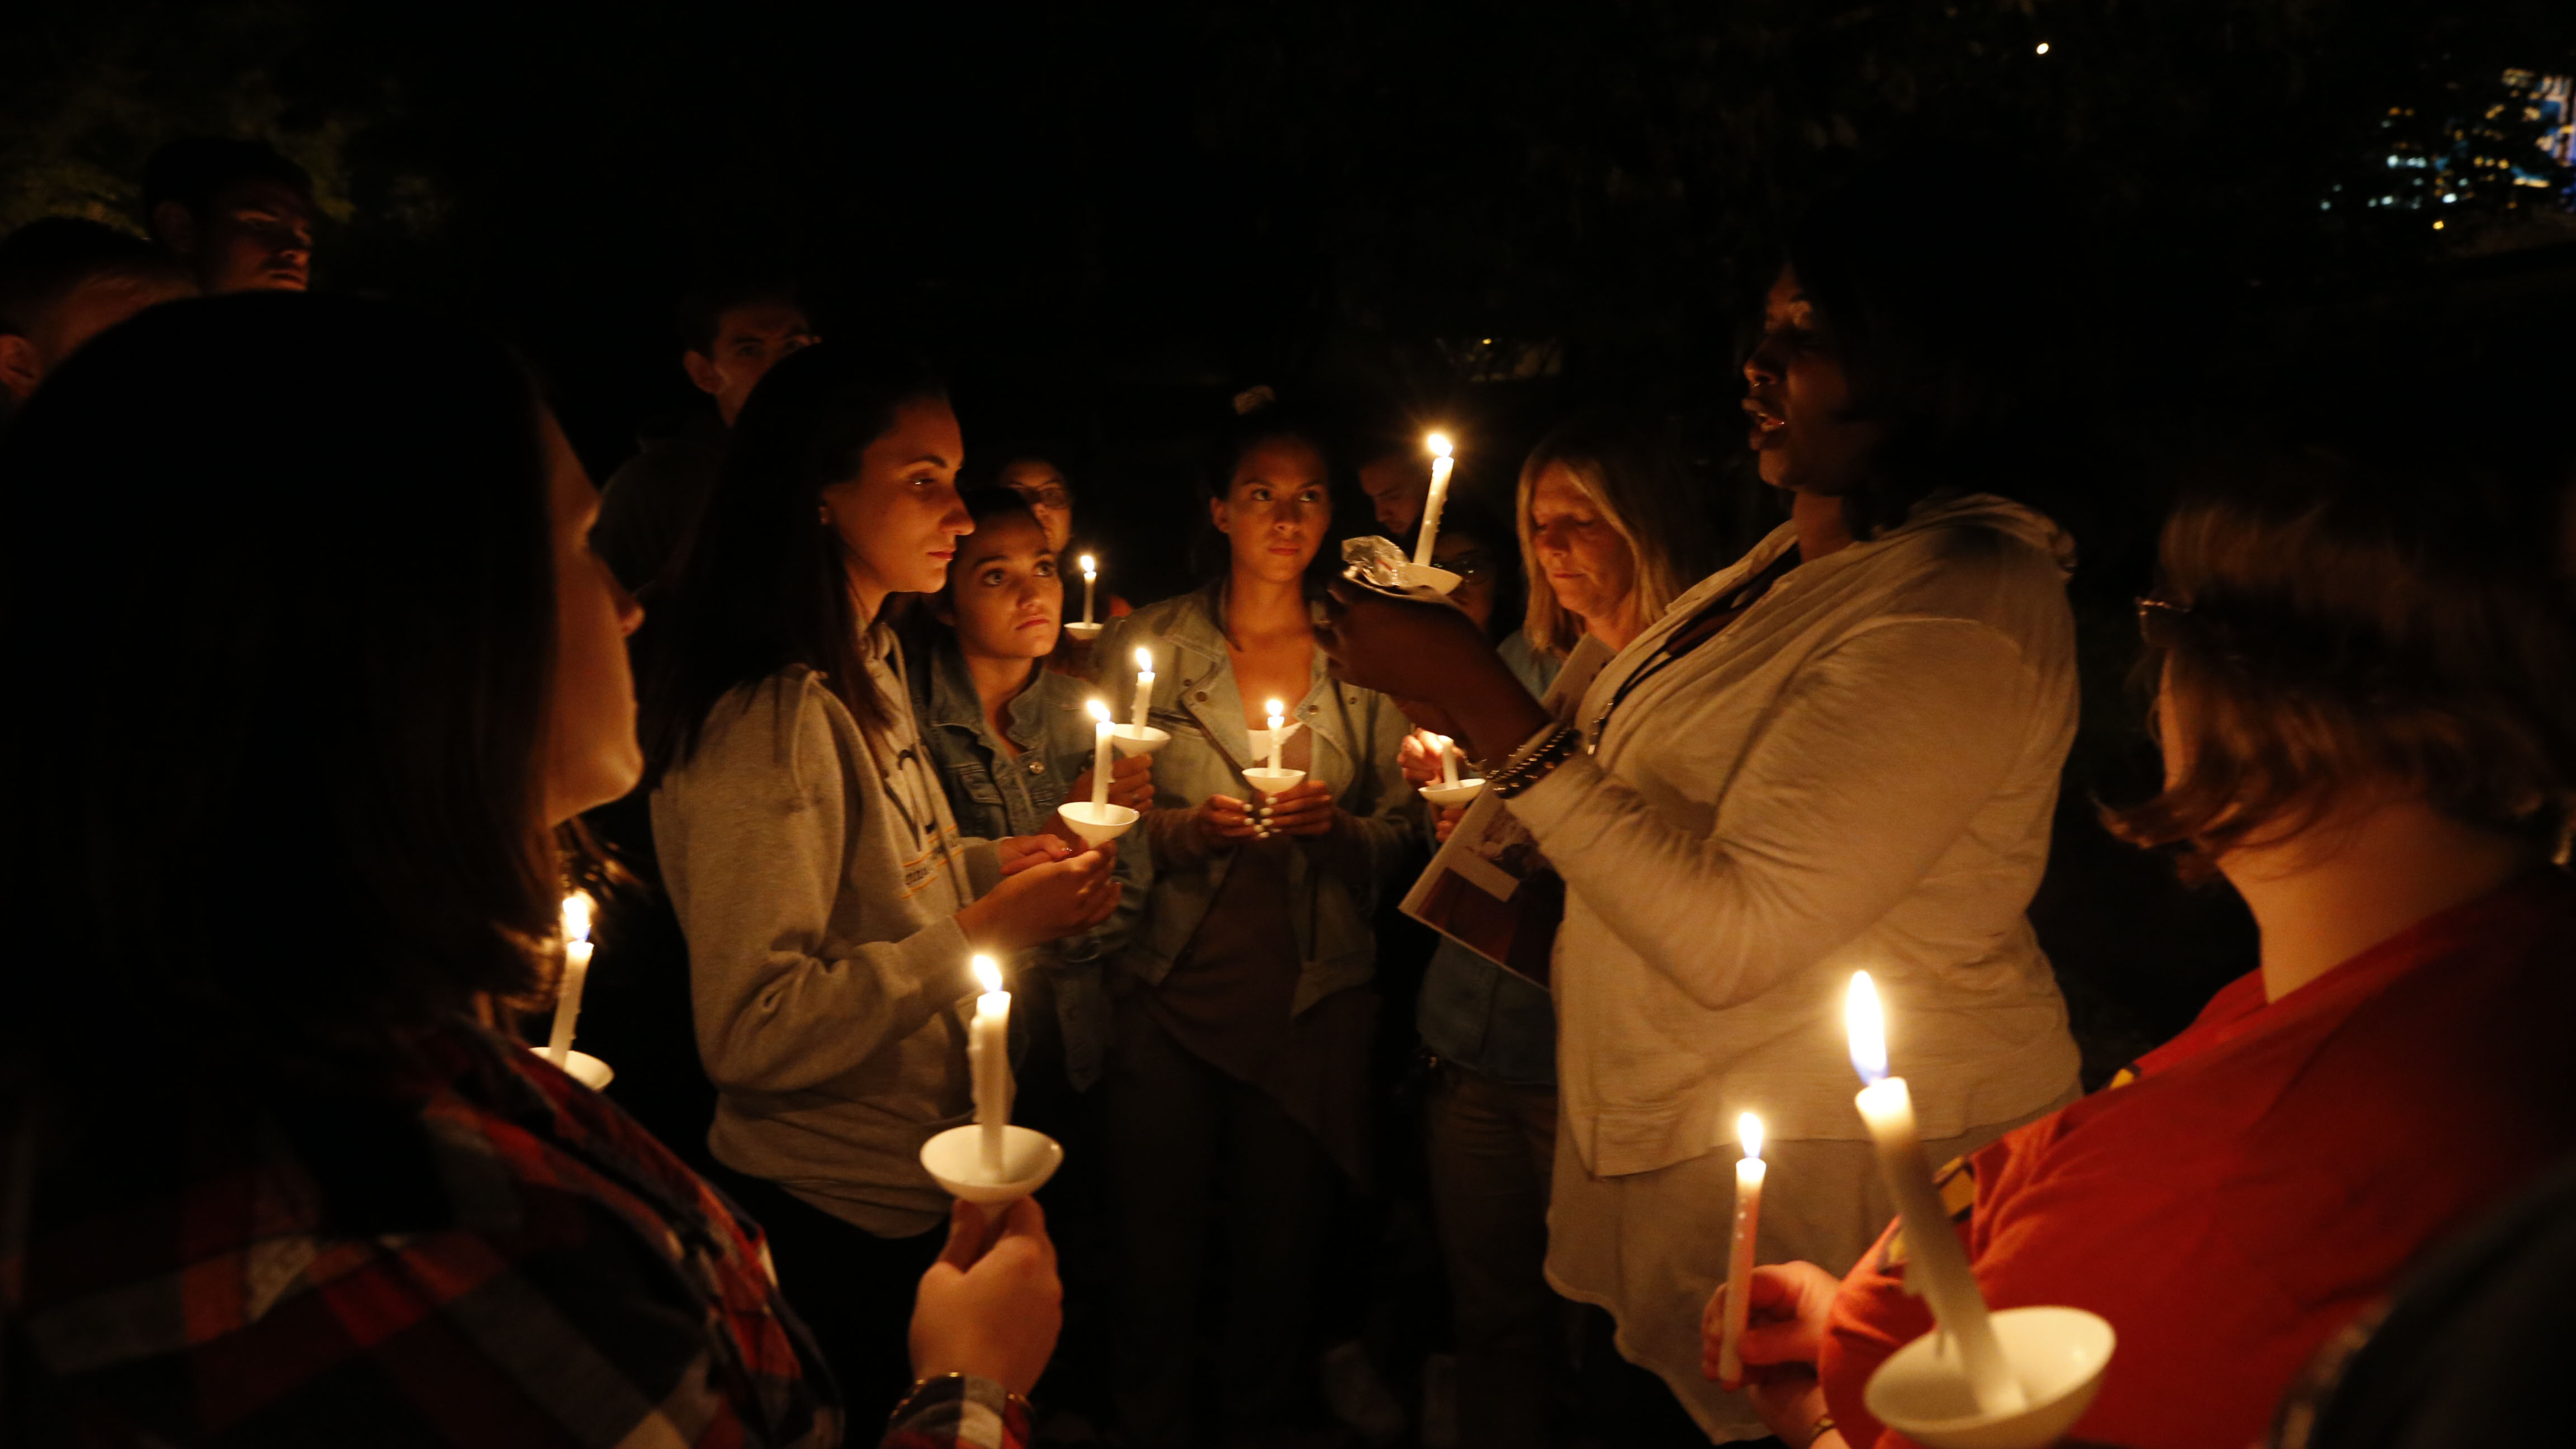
[1749, 1171]
[1099, 753]
[1278, 733]
[1448, 761]
[1144, 687]
[1090, 576]
[577, 948]
[988, 1059]
[1440, 465]
[1936, 1266]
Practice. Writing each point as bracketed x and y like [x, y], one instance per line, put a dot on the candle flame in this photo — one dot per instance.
[988, 975]
[576, 916]
[1748, 1130]
[1088, 566]
[1438, 443]
[1868, 1030]
[1277, 709]
[1144, 659]
[1098, 710]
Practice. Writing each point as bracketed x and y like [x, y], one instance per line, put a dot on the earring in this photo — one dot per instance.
[823, 515]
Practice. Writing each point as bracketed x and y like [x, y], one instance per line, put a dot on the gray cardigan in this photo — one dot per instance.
[817, 876]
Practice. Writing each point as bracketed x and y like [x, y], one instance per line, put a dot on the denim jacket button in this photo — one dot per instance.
[1201, 696]
[1037, 767]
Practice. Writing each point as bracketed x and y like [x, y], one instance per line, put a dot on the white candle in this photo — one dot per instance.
[1448, 761]
[1936, 1266]
[1440, 465]
[988, 1059]
[1144, 685]
[576, 931]
[1278, 732]
[1739, 1256]
[1099, 753]
[1090, 576]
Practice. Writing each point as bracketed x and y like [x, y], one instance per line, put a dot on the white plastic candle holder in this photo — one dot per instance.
[1445, 796]
[1085, 632]
[1096, 823]
[1133, 741]
[2057, 1355]
[955, 1160]
[1428, 576]
[588, 1070]
[1274, 782]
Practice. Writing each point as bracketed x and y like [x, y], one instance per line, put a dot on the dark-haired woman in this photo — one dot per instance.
[1239, 1056]
[1012, 741]
[290, 1191]
[1839, 753]
[2368, 716]
[830, 902]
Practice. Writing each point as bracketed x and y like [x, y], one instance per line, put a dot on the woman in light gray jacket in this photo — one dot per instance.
[1839, 753]
[830, 902]
[1238, 1066]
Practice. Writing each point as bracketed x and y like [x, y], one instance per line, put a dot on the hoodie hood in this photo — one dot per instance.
[1986, 510]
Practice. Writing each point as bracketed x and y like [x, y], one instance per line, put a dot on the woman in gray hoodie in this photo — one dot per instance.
[831, 905]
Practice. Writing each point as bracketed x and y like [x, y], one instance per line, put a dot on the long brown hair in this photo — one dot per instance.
[281, 567]
[2324, 626]
[765, 585]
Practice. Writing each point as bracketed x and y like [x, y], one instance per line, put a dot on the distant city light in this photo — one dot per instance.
[2437, 226]
[2043, 47]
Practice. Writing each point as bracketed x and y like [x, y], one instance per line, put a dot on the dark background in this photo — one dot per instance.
[1106, 220]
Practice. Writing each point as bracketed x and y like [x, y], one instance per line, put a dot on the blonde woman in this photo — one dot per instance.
[1609, 533]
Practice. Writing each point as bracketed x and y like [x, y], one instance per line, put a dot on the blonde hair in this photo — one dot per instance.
[1635, 478]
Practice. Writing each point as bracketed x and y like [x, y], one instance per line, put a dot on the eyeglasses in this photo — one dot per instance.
[1053, 495]
[1474, 563]
[2161, 622]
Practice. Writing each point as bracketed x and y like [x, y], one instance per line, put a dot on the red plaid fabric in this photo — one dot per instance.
[493, 1256]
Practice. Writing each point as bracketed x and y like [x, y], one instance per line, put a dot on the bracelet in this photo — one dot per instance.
[1819, 1429]
[949, 1385]
[1554, 750]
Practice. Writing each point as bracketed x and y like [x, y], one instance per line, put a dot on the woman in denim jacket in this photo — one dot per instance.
[1238, 1066]
[1011, 741]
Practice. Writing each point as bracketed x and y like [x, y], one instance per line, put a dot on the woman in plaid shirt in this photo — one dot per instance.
[321, 662]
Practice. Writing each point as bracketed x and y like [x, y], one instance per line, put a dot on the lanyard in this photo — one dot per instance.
[1711, 621]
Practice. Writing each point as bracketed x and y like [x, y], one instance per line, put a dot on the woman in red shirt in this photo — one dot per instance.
[2368, 716]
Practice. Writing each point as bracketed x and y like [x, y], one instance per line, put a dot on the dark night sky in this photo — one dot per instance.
[1107, 219]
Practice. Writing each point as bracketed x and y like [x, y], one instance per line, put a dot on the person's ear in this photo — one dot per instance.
[1217, 514]
[176, 227]
[702, 370]
[21, 366]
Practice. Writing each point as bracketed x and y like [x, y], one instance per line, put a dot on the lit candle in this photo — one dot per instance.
[1144, 685]
[988, 1058]
[1448, 761]
[1438, 443]
[1739, 1257]
[1936, 1266]
[576, 931]
[1278, 732]
[1090, 576]
[1099, 753]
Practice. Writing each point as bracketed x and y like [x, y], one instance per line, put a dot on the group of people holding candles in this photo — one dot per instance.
[301, 1181]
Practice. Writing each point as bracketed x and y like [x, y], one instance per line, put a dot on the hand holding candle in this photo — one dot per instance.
[1441, 462]
[988, 1061]
[577, 947]
[1936, 1266]
[1739, 1257]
